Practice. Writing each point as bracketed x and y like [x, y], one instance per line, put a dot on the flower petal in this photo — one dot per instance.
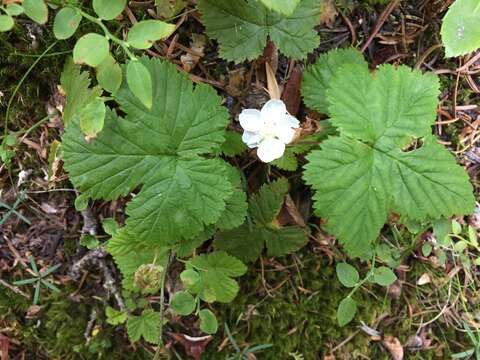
[273, 111]
[292, 121]
[284, 133]
[250, 120]
[252, 139]
[270, 149]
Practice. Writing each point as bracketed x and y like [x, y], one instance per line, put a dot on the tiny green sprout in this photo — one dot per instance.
[475, 350]
[39, 279]
[148, 277]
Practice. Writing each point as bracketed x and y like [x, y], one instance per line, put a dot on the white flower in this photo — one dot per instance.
[269, 129]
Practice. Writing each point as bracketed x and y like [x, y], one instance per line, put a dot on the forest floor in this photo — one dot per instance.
[286, 303]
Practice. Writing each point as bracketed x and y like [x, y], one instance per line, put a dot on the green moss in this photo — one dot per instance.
[58, 333]
[294, 320]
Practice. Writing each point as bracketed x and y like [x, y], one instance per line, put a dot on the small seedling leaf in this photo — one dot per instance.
[347, 274]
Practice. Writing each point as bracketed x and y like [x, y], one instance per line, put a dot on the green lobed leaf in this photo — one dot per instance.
[110, 226]
[91, 49]
[317, 77]
[108, 9]
[66, 23]
[36, 10]
[363, 174]
[208, 321]
[287, 162]
[75, 85]
[146, 325]
[347, 274]
[6, 23]
[247, 241]
[186, 247]
[384, 276]
[244, 242]
[460, 31]
[346, 311]
[182, 192]
[243, 27]
[115, 317]
[140, 82]
[143, 34]
[233, 144]
[183, 303]
[216, 271]
[236, 205]
[109, 74]
[265, 205]
[286, 7]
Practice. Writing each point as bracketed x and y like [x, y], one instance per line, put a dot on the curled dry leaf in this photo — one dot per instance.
[393, 345]
[194, 346]
[424, 279]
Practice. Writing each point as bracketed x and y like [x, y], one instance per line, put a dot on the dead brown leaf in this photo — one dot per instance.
[191, 59]
[194, 346]
[4, 347]
[33, 311]
[393, 345]
[328, 12]
[291, 93]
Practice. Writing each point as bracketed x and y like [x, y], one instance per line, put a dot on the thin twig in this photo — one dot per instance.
[383, 17]
[15, 289]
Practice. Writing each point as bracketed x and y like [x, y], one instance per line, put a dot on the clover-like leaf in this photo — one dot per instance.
[143, 34]
[109, 74]
[346, 311]
[247, 241]
[460, 30]
[208, 321]
[366, 173]
[183, 303]
[242, 28]
[66, 22]
[37, 10]
[160, 149]
[108, 9]
[6, 23]
[216, 271]
[347, 274]
[91, 49]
